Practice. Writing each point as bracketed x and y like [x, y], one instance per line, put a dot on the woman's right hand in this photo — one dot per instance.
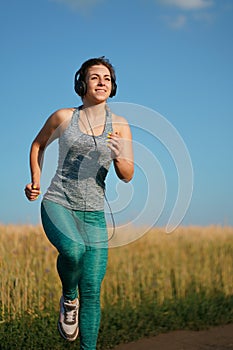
[32, 191]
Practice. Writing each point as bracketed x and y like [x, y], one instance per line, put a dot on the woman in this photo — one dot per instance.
[72, 209]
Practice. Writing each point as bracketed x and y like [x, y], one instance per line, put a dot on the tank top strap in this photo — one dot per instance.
[75, 119]
[75, 116]
[108, 126]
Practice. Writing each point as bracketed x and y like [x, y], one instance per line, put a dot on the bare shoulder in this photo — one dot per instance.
[121, 126]
[54, 125]
[61, 115]
[118, 119]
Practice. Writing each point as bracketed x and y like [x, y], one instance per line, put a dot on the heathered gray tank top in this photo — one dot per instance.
[83, 164]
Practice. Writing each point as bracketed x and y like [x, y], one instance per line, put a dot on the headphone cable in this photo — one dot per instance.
[105, 196]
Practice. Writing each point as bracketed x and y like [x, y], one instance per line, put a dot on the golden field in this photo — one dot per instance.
[158, 266]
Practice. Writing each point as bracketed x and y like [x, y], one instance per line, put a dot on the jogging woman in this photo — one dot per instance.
[72, 209]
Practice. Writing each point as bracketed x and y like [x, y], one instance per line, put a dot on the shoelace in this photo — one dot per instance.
[70, 313]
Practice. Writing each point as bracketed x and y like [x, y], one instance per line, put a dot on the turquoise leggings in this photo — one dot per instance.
[81, 240]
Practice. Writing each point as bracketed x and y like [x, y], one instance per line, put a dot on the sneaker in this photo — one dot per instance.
[68, 320]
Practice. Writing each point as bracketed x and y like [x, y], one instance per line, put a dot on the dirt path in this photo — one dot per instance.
[217, 338]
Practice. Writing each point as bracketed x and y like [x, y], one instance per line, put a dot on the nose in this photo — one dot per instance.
[101, 81]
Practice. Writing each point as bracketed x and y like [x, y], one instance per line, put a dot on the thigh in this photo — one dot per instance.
[60, 225]
[93, 228]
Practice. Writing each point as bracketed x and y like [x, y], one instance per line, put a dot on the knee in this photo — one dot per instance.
[71, 256]
[90, 289]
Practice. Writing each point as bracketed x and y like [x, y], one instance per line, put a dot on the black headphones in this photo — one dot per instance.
[80, 85]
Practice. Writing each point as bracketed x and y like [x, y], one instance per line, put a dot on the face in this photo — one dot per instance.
[99, 84]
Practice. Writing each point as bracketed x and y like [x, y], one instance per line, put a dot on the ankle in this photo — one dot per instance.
[74, 301]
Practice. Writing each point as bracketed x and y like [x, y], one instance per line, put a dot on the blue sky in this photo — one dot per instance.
[171, 56]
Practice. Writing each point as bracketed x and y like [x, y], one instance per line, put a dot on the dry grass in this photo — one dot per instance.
[157, 267]
[27, 265]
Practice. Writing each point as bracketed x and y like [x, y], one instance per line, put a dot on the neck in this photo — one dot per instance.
[94, 109]
[93, 117]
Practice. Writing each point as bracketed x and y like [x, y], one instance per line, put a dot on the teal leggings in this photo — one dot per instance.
[81, 240]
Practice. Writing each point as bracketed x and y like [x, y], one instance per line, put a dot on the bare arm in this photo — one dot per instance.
[121, 146]
[49, 132]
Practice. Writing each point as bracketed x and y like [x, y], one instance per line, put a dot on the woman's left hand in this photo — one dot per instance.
[115, 145]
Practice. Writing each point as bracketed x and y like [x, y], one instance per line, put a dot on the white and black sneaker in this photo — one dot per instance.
[68, 320]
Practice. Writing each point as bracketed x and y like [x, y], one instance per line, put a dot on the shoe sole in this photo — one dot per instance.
[69, 338]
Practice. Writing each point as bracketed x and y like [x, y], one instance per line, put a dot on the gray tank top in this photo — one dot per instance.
[83, 164]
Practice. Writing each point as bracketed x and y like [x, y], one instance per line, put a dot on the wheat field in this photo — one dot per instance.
[157, 267]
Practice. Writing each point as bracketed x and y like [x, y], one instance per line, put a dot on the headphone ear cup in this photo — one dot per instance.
[80, 87]
[114, 89]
